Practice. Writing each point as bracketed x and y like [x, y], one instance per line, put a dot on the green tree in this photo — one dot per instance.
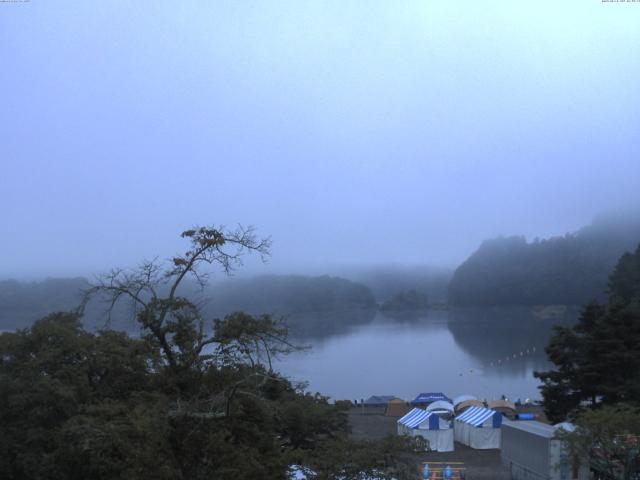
[609, 438]
[190, 399]
[624, 282]
[51, 377]
[598, 360]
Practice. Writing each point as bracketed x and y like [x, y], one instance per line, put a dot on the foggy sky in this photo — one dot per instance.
[351, 132]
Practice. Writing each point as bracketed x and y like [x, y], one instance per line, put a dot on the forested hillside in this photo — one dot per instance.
[387, 281]
[597, 361]
[572, 269]
[23, 303]
[286, 294]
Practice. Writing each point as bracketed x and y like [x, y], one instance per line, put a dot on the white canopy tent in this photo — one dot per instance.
[440, 405]
[478, 428]
[430, 426]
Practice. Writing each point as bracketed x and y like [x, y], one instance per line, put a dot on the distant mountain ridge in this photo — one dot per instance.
[572, 269]
[23, 303]
[287, 294]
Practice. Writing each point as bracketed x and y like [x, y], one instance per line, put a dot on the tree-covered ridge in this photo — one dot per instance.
[410, 300]
[624, 283]
[23, 303]
[597, 362]
[570, 270]
[286, 294]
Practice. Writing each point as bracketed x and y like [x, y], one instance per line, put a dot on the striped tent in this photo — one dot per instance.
[430, 426]
[462, 406]
[479, 428]
[442, 408]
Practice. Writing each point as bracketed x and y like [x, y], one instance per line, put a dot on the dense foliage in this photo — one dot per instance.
[406, 301]
[609, 438]
[288, 295]
[81, 405]
[570, 270]
[291, 294]
[387, 281]
[597, 361]
[182, 401]
[21, 303]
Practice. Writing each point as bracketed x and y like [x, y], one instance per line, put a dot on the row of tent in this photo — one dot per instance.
[396, 407]
[477, 427]
[422, 400]
[464, 419]
[531, 450]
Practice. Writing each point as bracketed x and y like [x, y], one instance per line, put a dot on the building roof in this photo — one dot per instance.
[537, 428]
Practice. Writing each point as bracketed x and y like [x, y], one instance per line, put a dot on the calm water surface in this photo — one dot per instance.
[485, 352]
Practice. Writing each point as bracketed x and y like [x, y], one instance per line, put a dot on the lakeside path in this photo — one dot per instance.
[480, 464]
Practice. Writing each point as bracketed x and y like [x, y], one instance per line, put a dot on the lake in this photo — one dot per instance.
[486, 352]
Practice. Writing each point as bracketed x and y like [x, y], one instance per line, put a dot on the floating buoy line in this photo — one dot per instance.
[512, 357]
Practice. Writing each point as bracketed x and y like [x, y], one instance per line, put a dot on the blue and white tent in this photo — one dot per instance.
[424, 399]
[479, 428]
[430, 426]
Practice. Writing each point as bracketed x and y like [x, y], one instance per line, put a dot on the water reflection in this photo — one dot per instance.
[319, 326]
[458, 351]
[510, 339]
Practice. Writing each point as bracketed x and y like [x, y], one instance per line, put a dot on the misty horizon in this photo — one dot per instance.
[253, 266]
[352, 136]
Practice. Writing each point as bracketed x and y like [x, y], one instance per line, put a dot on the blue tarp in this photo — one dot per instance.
[429, 397]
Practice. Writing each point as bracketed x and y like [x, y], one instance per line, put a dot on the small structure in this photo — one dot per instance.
[397, 408]
[442, 408]
[463, 398]
[430, 426]
[507, 408]
[376, 404]
[379, 400]
[425, 399]
[532, 452]
[478, 428]
[440, 405]
[462, 406]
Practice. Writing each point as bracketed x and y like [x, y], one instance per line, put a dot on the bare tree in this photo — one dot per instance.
[152, 289]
